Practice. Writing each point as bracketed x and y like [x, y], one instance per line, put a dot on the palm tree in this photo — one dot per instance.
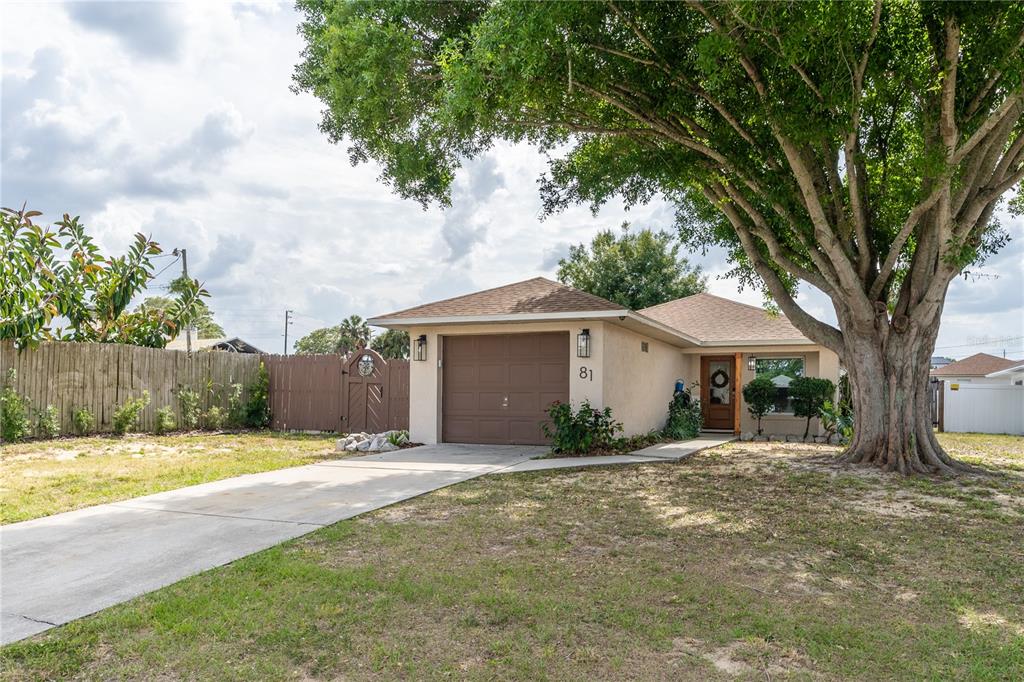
[355, 334]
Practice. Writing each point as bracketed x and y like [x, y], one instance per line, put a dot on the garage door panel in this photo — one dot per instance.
[525, 431]
[463, 401]
[551, 373]
[460, 345]
[491, 346]
[522, 374]
[553, 345]
[526, 347]
[493, 430]
[488, 401]
[462, 375]
[492, 373]
[496, 388]
[519, 403]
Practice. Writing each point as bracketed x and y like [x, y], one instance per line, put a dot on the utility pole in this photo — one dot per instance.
[184, 273]
[287, 321]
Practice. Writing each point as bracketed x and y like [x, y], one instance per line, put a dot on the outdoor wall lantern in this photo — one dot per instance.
[752, 363]
[583, 344]
[419, 349]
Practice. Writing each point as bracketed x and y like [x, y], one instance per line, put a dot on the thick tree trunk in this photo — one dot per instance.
[889, 386]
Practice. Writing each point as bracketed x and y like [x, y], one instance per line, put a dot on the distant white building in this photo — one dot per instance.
[1015, 374]
[980, 368]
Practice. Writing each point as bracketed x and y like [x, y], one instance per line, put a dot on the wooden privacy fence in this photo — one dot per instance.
[360, 392]
[102, 376]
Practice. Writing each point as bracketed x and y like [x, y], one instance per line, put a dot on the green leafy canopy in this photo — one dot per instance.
[635, 269]
[861, 147]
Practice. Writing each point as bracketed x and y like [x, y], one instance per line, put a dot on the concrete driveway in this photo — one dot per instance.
[62, 567]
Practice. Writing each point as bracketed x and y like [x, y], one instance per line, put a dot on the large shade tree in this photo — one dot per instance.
[859, 147]
[635, 269]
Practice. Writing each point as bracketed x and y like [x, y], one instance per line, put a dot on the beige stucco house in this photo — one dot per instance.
[485, 366]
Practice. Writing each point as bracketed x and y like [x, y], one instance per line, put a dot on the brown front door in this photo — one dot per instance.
[718, 391]
[497, 387]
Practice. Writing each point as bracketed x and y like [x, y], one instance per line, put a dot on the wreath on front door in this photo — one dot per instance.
[719, 379]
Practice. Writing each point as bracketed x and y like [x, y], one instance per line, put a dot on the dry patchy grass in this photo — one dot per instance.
[747, 562]
[47, 477]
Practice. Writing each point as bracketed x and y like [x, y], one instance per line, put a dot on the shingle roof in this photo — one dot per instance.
[712, 318]
[537, 295]
[978, 365]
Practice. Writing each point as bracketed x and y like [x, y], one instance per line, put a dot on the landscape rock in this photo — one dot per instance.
[775, 438]
[791, 438]
[761, 438]
[746, 435]
[834, 439]
[821, 439]
[388, 447]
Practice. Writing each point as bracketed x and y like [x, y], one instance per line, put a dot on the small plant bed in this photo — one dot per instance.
[590, 432]
[40, 478]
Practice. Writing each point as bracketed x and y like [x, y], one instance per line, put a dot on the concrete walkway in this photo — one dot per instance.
[62, 567]
[662, 452]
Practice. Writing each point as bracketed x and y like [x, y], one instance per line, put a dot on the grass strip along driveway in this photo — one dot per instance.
[48, 477]
[748, 561]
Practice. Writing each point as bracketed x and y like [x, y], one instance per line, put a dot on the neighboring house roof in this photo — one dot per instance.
[714, 319]
[534, 296]
[940, 361]
[1018, 368]
[233, 345]
[698, 320]
[978, 365]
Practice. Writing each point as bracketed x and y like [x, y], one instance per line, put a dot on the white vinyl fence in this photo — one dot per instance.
[983, 408]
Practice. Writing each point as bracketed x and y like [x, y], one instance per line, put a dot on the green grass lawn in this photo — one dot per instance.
[750, 561]
[47, 477]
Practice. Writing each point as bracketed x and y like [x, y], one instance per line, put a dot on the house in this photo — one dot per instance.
[1014, 374]
[940, 361]
[977, 369]
[231, 345]
[485, 366]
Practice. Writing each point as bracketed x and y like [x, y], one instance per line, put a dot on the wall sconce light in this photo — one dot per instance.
[752, 363]
[583, 344]
[419, 348]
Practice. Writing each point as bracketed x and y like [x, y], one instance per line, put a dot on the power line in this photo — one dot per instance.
[986, 342]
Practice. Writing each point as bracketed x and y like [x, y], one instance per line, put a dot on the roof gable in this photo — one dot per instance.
[978, 365]
[533, 296]
[713, 319]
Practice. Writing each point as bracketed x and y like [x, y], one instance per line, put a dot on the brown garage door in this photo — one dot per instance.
[496, 388]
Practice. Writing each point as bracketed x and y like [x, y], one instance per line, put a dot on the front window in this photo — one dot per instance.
[781, 371]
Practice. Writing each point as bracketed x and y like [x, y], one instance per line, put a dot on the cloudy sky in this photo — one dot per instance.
[176, 120]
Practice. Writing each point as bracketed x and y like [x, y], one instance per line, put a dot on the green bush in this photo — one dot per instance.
[837, 418]
[14, 411]
[809, 395]
[83, 420]
[398, 438]
[684, 417]
[759, 395]
[257, 409]
[47, 422]
[215, 418]
[164, 420]
[236, 408]
[188, 405]
[126, 417]
[580, 432]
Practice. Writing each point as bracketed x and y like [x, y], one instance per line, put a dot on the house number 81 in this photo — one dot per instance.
[586, 373]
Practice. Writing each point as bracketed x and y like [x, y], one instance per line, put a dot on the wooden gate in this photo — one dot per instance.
[333, 393]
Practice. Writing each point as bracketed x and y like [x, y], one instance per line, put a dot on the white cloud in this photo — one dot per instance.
[176, 119]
